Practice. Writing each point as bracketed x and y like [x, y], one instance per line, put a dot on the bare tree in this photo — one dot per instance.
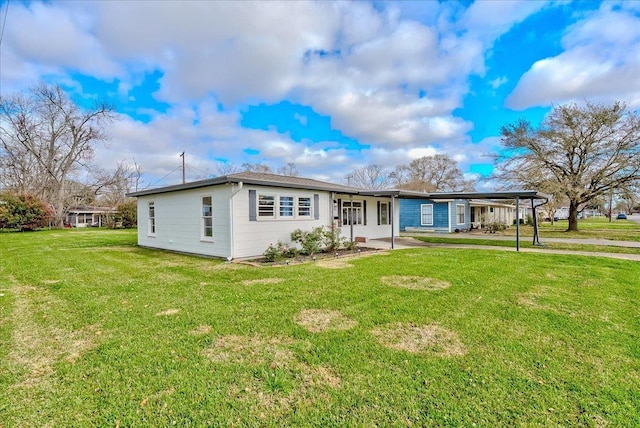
[45, 139]
[587, 151]
[437, 173]
[289, 169]
[370, 177]
[227, 168]
[257, 167]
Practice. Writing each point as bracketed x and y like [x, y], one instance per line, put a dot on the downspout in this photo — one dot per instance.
[231, 237]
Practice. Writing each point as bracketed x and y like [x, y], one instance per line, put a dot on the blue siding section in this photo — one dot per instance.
[410, 214]
[454, 216]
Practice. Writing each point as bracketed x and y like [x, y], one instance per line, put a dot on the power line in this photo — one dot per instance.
[4, 25]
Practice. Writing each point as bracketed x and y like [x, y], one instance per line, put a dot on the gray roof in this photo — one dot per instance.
[274, 180]
[257, 178]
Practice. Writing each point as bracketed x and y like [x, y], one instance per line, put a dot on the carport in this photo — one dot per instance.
[537, 199]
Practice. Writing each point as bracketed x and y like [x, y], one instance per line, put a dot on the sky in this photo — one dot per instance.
[329, 86]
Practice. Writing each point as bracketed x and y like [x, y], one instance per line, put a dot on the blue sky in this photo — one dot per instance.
[328, 86]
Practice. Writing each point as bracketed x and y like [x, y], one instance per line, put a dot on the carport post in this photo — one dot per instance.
[393, 208]
[517, 223]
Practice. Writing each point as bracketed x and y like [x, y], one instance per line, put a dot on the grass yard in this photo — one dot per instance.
[593, 227]
[526, 243]
[97, 332]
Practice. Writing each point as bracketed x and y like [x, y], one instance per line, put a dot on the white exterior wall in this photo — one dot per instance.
[178, 221]
[373, 230]
[252, 238]
[178, 218]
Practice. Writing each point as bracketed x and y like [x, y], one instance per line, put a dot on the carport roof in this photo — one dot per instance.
[504, 195]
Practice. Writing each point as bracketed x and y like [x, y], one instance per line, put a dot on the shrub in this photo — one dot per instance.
[496, 226]
[311, 242]
[278, 252]
[126, 216]
[23, 212]
[332, 239]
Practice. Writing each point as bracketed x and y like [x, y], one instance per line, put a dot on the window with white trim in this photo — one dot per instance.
[152, 219]
[207, 218]
[304, 207]
[352, 213]
[286, 206]
[460, 214]
[266, 206]
[426, 214]
[383, 215]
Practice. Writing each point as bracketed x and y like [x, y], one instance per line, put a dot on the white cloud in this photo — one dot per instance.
[601, 62]
[387, 76]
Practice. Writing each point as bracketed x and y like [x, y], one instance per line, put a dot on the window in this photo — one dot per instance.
[207, 217]
[426, 214]
[351, 213]
[460, 214]
[266, 206]
[304, 207]
[383, 215]
[286, 206]
[152, 218]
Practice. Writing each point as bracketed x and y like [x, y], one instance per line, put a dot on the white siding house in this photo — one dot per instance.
[239, 215]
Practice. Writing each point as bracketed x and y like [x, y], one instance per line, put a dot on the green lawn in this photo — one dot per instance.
[97, 332]
[594, 227]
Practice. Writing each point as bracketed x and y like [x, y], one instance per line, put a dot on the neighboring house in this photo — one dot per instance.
[87, 216]
[239, 215]
[485, 212]
[433, 215]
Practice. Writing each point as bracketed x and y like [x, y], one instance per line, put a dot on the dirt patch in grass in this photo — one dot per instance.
[279, 380]
[201, 330]
[425, 339]
[321, 320]
[38, 343]
[263, 281]
[251, 350]
[415, 282]
[168, 312]
[334, 264]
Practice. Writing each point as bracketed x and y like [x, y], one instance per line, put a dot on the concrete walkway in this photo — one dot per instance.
[629, 244]
[409, 242]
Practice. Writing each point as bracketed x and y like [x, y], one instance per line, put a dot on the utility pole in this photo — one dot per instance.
[182, 156]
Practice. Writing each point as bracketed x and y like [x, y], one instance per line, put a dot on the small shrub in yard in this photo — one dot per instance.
[333, 239]
[496, 226]
[278, 252]
[311, 242]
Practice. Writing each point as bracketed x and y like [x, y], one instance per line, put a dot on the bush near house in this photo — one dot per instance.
[23, 212]
[126, 216]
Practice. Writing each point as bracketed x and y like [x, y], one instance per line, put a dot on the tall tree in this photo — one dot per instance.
[437, 173]
[586, 150]
[370, 177]
[45, 139]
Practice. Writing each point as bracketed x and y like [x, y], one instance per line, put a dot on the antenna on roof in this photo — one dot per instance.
[182, 156]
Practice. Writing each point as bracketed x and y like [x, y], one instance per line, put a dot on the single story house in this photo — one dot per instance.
[240, 215]
[87, 216]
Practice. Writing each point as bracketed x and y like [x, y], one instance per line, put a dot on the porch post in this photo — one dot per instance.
[351, 216]
[517, 223]
[393, 208]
